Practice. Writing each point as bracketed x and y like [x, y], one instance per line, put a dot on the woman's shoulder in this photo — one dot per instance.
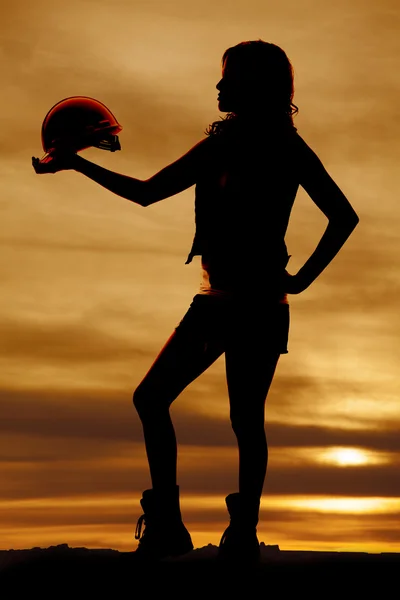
[305, 154]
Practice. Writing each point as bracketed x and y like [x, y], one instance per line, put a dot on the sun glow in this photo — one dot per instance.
[123, 502]
[358, 505]
[350, 457]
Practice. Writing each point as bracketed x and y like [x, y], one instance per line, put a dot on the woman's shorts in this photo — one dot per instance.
[249, 321]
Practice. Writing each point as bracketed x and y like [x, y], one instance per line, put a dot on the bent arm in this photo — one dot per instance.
[173, 179]
[342, 218]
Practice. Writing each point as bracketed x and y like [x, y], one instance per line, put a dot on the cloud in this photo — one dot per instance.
[65, 342]
[157, 121]
[200, 471]
[111, 418]
[55, 446]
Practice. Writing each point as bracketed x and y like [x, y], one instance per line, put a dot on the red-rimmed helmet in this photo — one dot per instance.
[79, 122]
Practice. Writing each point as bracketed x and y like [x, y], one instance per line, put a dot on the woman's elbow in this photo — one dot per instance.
[150, 192]
[345, 221]
[353, 220]
[138, 192]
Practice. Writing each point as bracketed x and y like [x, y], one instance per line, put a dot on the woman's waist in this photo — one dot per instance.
[236, 280]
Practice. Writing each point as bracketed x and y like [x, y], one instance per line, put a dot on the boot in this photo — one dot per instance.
[239, 541]
[164, 533]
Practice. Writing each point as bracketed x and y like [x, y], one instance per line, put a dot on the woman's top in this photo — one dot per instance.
[243, 202]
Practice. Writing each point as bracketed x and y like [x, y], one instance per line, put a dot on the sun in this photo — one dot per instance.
[345, 457]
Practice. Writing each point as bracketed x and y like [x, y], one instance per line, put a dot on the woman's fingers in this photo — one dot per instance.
[38, 166]
[42, 167]
[53, 163]
[294, 284]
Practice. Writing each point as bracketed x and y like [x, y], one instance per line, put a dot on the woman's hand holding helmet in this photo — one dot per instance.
[54, 162]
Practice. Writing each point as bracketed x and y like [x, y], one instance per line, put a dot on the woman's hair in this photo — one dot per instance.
[269, 73]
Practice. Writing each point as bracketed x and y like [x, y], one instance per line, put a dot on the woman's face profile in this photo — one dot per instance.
[235, 93]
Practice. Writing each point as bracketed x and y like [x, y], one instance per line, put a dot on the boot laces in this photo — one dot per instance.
[139, 524]
[146, 532]
[224, 536]
[227, 532]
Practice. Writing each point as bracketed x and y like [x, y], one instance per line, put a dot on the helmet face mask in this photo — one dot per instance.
[108, 142]
[77, 123]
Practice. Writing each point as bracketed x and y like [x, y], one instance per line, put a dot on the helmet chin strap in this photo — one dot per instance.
[109, 142]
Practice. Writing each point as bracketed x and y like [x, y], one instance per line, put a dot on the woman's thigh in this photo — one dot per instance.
[193, 346]
[251, 356]
[249, 374]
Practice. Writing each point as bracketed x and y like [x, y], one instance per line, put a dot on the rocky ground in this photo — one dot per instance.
[61, 572]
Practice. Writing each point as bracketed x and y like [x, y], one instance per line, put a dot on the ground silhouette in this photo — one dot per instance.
[62, 572]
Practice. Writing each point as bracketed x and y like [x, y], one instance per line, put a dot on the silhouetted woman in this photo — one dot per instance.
[247, 170]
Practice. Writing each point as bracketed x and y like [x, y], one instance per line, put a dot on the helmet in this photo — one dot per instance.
[80, 122]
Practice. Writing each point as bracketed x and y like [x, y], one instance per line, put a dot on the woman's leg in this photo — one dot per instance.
[183, 358]
[250, 368]
[188, 352]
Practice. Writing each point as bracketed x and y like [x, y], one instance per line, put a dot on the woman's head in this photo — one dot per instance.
[257, 77]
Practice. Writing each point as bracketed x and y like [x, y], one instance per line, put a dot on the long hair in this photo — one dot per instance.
[270, 74]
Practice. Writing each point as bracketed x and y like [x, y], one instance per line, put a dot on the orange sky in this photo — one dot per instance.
[92, 285]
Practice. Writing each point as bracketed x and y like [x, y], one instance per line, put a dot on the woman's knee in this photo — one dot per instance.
[141, 401]
[149, 401]
[248, 428]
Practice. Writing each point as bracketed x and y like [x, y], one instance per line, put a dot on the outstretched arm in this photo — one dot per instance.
[176, 177]
[342, 218]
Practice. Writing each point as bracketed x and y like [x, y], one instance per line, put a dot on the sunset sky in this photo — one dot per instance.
[93, 285]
